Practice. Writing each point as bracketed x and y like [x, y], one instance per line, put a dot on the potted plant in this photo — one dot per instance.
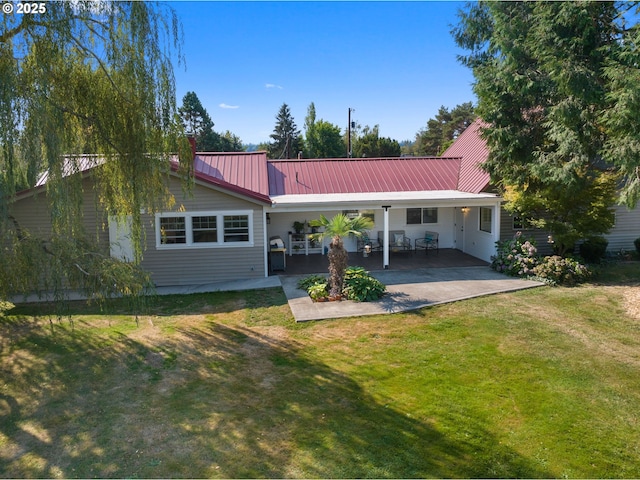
[298, 227]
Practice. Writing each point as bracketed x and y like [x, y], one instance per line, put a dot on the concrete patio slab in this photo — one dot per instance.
[406, 290]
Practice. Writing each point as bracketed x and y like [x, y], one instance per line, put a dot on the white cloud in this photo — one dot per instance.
[224, 105]
[272, 85]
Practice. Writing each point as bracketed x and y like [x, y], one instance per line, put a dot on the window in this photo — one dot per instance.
[204, 229]
[236, 228]
[485, 219]
[417, 216]
[357, 213]
[518, 224]
[173, 230]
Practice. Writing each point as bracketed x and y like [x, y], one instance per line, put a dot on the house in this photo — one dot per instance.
[241, 200]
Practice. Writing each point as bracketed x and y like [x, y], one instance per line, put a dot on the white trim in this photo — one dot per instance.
[190, 244]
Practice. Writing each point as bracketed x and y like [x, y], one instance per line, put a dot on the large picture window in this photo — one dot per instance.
[485, 219]
[204, 229]
[417, 216]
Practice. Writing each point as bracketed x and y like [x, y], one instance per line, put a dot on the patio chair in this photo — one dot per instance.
[365, 240]
[429, 242]
[398, 241]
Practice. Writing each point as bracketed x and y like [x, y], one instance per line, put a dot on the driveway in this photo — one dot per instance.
[406, 290]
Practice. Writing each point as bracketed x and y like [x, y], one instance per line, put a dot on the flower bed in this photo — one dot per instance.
[359, 286]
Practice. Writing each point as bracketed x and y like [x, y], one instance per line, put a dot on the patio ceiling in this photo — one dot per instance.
[367, 200]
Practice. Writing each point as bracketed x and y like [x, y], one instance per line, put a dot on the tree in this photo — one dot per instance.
[287, 141]
[548, 85]
[197, 122]
[339, 227]
[85, 77]
[442, 130]
[329, 143]
[322, 139]
[230, 143]
[370, 144]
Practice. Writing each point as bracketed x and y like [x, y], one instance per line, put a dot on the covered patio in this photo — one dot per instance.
[443, 258]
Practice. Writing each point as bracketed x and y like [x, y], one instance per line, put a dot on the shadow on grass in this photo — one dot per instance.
[211, 401]
[618, 274]
[156, 304]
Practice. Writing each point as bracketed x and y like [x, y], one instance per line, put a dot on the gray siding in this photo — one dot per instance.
[195, 266]
[625, 230]
[621, 237]
[34, 214]
[540, 236]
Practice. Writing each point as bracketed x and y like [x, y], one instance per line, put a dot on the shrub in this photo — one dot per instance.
[360, 286]
[306, 282]
[515, 257]
[561, 271]
[594, 249]
[636, 242]
[318, 291]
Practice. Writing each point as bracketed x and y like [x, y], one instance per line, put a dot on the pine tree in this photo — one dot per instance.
[197, 122]
[287, 141]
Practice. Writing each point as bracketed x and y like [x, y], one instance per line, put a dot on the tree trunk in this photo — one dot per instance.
[338, 260]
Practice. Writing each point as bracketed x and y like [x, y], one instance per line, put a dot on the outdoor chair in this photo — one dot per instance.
[365, 241]
[398, 241]
[428, 242]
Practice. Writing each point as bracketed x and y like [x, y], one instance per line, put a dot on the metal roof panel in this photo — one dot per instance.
[361, 175]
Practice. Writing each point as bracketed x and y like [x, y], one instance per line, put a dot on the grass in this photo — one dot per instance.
[537, 383]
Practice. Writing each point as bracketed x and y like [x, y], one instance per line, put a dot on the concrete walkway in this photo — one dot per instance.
[406, 290]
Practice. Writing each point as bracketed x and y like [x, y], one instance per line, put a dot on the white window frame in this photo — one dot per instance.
[188, 218]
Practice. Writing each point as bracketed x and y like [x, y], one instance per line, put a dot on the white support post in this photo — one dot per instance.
[496, 222]
[385, 239]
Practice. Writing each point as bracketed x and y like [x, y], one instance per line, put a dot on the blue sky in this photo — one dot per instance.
[393, 62]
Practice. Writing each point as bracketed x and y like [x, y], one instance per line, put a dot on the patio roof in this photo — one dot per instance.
[376, 199]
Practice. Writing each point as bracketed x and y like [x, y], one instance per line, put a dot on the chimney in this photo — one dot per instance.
[192, 142]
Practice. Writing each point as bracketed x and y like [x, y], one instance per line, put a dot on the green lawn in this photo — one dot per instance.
[537, 383]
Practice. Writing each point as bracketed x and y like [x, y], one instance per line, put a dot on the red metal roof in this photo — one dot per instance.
[473, 150]
[359, 175]
[252, 175]
[243, 172]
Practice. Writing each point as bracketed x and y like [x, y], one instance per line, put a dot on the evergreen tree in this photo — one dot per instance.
[287, 141]
[197, 122]
[442, 130]
[551, 81]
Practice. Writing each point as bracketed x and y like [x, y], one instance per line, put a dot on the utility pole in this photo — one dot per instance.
[349, 153]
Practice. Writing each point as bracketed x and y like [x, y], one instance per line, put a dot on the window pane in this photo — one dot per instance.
[414, 216]
[236, 228]
[204, 229]
[172, 230]
[485, 219]
[429, 215]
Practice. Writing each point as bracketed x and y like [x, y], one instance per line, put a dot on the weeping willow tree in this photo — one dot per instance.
[78, 78]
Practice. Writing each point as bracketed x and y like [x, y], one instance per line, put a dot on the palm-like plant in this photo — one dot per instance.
[337, 228]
